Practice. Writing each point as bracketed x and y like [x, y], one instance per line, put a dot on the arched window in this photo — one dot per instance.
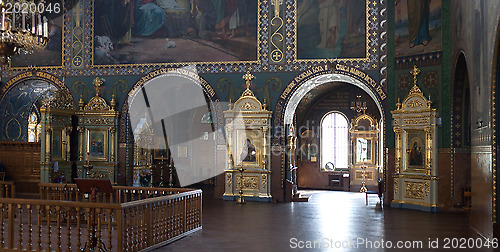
[334, 141]
[33, 128]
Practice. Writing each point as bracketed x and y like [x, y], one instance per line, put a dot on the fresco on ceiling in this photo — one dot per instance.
[417, 27]
[166, 31]
[331, 29]
[51, 55]
[18, 104]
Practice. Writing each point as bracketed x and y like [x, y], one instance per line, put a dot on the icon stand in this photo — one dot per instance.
[94, 186]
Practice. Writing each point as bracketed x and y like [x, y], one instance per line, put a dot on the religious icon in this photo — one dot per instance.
[415, 149]
[248, 153]
[97, 145]
[416, 154]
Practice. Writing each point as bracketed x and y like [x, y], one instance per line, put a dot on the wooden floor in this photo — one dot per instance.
[339, 217]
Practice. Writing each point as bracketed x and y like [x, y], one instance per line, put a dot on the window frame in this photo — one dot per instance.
[348, 150]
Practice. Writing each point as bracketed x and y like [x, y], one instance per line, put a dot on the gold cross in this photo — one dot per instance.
[97, 83]
[415, 72]
[248, 78]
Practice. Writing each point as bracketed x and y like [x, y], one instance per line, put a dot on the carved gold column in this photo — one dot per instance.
[112, 131]
[397, 131]
[264, 147]
[80, 148]
[229, 145]
[428, 151]
[48, 143]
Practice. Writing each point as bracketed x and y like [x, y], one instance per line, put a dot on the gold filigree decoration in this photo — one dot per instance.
[415, 190]
[427, 188]
[97, 103]
[248, 183]
[61, 100]
[396, 186]
[264, 181]
[415, 104]
[398, 165]
[229, 179]
[103, 121]
[97, 175]
[248, 106]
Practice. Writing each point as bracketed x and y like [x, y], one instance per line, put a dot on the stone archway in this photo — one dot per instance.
[291, 96]
[126, 138]
[19, 95]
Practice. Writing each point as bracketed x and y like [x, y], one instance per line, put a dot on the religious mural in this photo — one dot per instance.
[417, 27]
[331, 29]
[18, 104]
[168, 31]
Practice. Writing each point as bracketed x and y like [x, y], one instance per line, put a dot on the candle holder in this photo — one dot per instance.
[240, 199]
[162, 183]
[363, 183]
[171, 171]
[88, 166]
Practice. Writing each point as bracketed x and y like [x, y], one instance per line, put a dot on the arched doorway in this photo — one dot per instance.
[20, 101]
[285, 113]
[461, 135]
[200, 123]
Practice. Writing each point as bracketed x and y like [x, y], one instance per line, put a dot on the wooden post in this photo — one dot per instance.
[149, 226]
[10, 242]
[119, 229]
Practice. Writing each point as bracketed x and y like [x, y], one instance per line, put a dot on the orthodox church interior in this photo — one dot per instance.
[128, 125]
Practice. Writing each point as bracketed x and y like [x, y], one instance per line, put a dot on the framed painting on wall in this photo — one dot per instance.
[97, 145]
[57, 144]
[174, 31]
[248, 147]
[415, 149]
[363, 150]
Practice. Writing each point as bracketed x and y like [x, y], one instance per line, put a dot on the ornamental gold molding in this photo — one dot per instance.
[416, 121]
[249, 182]
[396, 186]
[61, 101]
[229, 179]
[97, 175]
[415, 176]
[248, 106]
[264, 181]
[97, 103]
[415, 104]
[100, 121]
[416, 190]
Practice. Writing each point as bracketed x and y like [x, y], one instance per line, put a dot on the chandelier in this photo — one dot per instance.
[23, 28]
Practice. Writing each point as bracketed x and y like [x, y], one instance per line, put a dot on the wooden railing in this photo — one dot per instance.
[37, 225]
[7, 189]
[121, 194]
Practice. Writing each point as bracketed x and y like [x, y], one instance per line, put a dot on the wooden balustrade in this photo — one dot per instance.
[7, 189]
[145, 222]
[121, 194]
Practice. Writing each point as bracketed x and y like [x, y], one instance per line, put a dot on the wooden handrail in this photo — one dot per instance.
[121, 194]
[129, 226]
